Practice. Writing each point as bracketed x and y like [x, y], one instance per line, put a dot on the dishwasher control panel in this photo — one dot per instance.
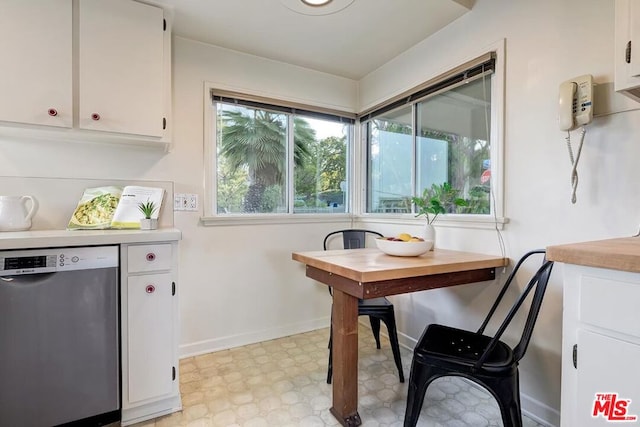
[34, 261]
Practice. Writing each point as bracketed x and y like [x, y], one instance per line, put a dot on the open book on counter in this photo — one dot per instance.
[114, 207]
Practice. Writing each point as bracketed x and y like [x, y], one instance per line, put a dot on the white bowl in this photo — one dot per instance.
[411, 248]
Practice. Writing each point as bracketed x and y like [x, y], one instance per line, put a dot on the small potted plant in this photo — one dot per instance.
[148, 209]
[439, 199]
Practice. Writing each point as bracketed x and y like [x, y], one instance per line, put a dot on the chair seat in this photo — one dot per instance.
[461, 347]
[375, 301]
[382, 302]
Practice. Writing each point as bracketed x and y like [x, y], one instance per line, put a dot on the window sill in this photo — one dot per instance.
[272, 219]
[455, 221]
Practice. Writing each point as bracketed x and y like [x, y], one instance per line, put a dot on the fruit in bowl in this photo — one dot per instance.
[404, 245]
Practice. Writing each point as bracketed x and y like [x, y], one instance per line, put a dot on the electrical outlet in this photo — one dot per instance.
[191, 202]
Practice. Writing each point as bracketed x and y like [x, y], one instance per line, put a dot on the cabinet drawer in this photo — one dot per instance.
[610, 304]
[143, 258]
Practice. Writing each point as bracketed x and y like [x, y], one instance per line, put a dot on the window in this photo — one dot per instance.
[440, 132]
[277, 159]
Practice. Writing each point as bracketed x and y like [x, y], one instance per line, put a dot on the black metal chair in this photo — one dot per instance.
[378, 309]
[484, 359]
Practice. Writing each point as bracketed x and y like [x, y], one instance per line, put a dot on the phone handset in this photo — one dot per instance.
[566, 105]
[575, 110]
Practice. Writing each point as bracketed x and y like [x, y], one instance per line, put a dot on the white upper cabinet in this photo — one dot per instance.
[627, 48]
[121, 67]
[36, 71]
[99, 67]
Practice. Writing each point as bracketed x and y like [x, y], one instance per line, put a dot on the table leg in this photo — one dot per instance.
[345, 358]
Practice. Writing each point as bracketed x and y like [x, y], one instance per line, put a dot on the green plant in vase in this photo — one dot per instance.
[148, 208]
[439, 199]
[436, 200]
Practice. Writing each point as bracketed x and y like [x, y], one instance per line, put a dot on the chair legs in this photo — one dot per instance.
[390, 323]
[375, 328]
[420, 378]
[505, 390]
[330, 368]
[395, 346]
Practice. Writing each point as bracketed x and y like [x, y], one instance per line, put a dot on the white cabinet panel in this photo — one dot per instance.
[610, 304]
[627, 48]
[121, 67]
[606, 366]
[150, 337]
[36, 50]
[600, 329]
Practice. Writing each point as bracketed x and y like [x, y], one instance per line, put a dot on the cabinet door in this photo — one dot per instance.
[634, 36]
[36, 49]
[627, 48]
[121, 67]
[150, 337]
[606, 366]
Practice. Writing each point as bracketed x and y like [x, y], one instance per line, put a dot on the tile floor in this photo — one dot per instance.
[281, 383]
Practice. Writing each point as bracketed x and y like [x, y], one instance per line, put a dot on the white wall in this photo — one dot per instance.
[547, 41]
[238, 283]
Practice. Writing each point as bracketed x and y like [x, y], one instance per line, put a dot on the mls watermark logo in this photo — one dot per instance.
[612, 408]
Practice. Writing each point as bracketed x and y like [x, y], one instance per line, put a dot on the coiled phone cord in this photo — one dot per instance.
[574, 162]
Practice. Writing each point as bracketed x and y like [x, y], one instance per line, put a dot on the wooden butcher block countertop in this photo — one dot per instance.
[616, 254]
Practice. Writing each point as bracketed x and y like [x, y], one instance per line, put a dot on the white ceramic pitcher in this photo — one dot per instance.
[14, 215]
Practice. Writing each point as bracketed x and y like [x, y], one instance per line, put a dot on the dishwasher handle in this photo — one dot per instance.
[25, 279]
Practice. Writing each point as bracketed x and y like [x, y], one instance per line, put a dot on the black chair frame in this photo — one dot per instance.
[486, 360]
[378, 309]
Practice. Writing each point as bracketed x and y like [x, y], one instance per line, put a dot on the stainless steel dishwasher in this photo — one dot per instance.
[59, 336]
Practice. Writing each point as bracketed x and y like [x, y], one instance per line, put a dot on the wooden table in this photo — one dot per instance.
[369, 273]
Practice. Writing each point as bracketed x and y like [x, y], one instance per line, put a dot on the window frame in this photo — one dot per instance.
[496, 218]
[357, 169]
[211, 217]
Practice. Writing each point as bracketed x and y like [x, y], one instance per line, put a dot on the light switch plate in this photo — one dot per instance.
[185, 202]
[178, 202]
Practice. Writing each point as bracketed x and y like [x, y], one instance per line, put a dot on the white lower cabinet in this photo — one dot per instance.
[600, 347]
[149, 312]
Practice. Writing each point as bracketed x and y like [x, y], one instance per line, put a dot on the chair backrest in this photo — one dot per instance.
[352, 238]
[539, 281]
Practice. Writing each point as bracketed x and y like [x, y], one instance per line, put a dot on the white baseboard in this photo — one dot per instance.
[539, 412]
[224, 343]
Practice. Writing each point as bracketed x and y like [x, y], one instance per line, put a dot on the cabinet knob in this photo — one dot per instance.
[151, 256]
[52, 112]
[150, 289]
[95, 116]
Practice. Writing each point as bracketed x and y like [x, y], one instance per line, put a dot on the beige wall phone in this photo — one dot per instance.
[575, 111]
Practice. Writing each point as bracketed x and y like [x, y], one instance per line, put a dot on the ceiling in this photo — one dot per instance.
[349, 38]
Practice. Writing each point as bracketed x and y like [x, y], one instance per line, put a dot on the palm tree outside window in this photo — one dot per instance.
[255, 146]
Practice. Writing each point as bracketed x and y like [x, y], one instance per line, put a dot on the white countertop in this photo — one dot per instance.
[60, 238]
